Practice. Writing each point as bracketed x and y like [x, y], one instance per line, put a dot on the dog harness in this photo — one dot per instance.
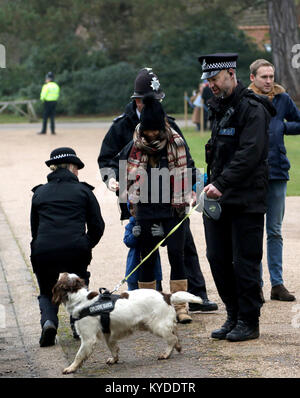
[103, 306]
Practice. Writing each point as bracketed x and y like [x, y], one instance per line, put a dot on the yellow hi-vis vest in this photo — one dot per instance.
[50, 92]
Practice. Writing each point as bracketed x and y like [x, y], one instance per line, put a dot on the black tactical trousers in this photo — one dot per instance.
[196, 282]
[49, 112]
[234, 251]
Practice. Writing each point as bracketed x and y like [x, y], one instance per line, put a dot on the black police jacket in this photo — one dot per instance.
[66, 221]
[238, 149]
[117, 137]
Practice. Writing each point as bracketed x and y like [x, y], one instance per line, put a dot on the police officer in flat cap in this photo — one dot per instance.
[66, 224]
[117, 137]
[237, 169]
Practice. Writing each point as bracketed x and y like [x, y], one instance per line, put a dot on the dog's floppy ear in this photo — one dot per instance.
[59, 292]
[66, 284]
[75, 284]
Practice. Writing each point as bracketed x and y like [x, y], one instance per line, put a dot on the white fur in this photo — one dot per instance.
[144, 309]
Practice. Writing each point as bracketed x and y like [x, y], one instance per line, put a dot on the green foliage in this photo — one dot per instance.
[174, 53]
[96, 48]
[93, 90]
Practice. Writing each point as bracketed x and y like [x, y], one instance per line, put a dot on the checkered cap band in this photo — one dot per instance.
[219, 65]
[64, 155]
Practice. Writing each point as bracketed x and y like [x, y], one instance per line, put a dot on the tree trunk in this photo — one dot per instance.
[285, 44]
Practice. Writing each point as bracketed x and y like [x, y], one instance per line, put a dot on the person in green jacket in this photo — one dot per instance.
[49, 96]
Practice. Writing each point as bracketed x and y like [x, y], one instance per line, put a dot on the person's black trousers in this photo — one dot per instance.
[47, 278]
[175, 246]
[234, 251]
[49, 112]
[196, 282]
[183, 238]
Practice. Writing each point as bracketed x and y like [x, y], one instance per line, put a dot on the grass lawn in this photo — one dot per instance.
[196, 142]
[14, 118]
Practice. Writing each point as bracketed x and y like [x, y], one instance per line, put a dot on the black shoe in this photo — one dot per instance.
[281, 293]
[40, 132]
[224, 329]
[53, 132]
[243, 332]
[48, 334]
[207, 305]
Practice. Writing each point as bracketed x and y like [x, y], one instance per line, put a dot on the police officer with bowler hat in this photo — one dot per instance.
[118, 136]
[237, 169]
[49, 96]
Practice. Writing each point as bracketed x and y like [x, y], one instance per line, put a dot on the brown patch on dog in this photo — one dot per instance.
[167, 297]
[91, 295]
[66, 285]
[124, 295]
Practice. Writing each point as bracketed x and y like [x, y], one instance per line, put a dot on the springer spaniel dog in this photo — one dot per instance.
[143, 309]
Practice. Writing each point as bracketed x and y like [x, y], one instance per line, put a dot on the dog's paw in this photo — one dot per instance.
[68, 370]
[164, 356]
[111, 360]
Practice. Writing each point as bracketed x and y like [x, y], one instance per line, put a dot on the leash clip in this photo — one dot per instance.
[117, 287]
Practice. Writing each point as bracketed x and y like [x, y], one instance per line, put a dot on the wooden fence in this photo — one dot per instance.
[17, 106]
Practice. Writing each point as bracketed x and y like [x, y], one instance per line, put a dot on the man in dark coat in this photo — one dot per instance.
[238, 177]
[118, 136]
[286, 122]
[61, 211]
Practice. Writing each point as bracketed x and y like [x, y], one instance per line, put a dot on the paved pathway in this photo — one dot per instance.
[22, 156]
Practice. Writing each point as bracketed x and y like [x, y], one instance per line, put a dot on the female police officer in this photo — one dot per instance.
[61, 210]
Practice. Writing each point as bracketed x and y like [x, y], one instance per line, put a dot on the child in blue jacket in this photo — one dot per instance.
[131, 240]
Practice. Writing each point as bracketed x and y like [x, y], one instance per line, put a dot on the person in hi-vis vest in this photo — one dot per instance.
[49, 96]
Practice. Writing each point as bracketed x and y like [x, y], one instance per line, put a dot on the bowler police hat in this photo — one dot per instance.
[50, 75]
[147, 82]
[64, 155]
[212, 64]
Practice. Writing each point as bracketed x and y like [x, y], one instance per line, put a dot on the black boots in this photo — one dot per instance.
[224, 329]
[48, 334]
[233, 330]
[243, 331]
[207, 305]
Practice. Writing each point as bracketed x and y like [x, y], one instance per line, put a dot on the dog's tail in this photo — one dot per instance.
[184, 297]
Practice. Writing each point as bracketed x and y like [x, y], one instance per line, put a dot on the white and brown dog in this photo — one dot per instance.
[143, 309]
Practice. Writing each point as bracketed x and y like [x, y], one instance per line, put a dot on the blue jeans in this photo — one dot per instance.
[274, 217]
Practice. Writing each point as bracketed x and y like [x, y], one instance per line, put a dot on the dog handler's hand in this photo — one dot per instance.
[113, 185]
[212, 192]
